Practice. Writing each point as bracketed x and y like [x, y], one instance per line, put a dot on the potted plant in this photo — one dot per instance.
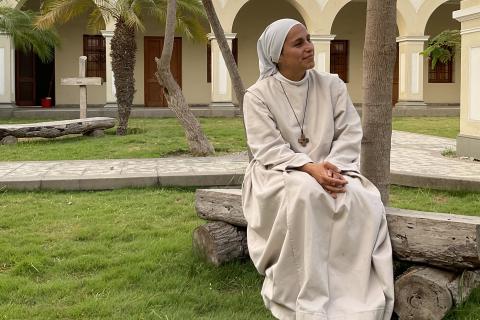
[46, 102]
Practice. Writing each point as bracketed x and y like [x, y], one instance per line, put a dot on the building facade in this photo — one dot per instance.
[337, 30]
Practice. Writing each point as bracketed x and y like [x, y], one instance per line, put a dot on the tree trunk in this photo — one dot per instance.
[437, 239]
[123, 63]
[227, 54]
[219, 242]
[378, 65]
[424, 293]
[53, 129]
[197, 141]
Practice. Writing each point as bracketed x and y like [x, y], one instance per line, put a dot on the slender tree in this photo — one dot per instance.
[127, 15]
[197, 140]
[378, 65]
[20, 25]
[227, 54]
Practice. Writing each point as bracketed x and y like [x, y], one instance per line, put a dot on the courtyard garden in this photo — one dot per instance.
[128, 253]
[152, 138]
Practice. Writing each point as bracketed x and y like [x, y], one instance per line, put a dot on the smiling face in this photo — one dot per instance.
[297, 54]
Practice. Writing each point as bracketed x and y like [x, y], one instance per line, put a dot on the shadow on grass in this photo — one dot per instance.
[130, 131]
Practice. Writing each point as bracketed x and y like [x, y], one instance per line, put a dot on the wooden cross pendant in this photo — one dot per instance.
[303, 140]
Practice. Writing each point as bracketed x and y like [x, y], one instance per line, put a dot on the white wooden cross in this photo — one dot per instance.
[82, 82]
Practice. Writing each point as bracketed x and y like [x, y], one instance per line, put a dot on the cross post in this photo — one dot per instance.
[82, 82]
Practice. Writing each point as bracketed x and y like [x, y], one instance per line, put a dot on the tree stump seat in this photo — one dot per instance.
[9, 133]
[443, 251]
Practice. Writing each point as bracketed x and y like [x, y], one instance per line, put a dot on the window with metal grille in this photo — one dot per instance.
[339, 58]
[94, 50]
[442, 73]
[209, 57]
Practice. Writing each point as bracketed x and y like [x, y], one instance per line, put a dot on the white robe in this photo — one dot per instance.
[322, 258]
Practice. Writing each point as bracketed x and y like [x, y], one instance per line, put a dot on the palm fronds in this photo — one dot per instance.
[25, 35]
[442, 47]
[57, 12]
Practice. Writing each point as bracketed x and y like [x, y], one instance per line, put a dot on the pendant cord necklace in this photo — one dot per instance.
[302, 140]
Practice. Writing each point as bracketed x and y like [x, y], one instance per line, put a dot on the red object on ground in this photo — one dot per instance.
[46, 102]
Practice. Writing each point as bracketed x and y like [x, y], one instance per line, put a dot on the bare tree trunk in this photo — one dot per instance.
[123, 53]
[378, 64]
[197, 140]
[227, 54]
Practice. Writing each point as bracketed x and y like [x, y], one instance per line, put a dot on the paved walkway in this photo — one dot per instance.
[416, 161]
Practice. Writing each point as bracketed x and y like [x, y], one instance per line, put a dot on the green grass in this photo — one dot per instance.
[122, 254]
[126, 254]
[447, 127]
[456, 202]
[152, 138]
[148, 138]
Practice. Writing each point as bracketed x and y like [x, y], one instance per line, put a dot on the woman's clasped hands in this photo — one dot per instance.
[327, 175]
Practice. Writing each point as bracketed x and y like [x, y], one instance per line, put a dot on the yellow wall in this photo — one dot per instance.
[350, 25]
[440, 20]
[251, 20]
[249, 25]
[66, 65]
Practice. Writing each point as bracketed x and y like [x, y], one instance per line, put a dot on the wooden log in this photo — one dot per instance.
[425, 293]
[56, 128]
[219, 242]
[220, 205]
[443, 240]
[422, 294]
[464, 284]
[90, 81]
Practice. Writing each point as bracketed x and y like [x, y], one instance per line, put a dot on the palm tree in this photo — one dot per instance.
[26, 37]
[378, 64]
[197, 141]
[127, 15]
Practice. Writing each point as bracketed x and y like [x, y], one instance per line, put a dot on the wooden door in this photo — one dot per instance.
[25, 84]
[153, 48]
[395, 87]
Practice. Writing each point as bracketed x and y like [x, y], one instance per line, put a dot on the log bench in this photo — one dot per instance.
[443, 251]
[9, 133]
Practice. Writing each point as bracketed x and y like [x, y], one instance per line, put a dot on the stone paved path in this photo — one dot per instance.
[416, 161]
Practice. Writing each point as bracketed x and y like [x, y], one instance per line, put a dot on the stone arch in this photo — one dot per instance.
[329, 13]
[248, 25]
[229, 9]
[405, 19]
[425, 12]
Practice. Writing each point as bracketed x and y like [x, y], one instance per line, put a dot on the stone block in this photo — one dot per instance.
[9, 140]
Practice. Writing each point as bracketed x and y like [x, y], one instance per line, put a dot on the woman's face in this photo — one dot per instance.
[297, 54]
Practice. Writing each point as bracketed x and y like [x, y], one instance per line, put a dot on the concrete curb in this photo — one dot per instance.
[205, 111]
[207, 180]
[433, 182]
[124, 181]
[137, 112]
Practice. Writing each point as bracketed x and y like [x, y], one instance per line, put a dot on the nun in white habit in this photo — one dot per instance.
[316, 227]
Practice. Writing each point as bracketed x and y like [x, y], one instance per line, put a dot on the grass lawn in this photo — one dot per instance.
[152, 138]
[148, 138]
[126, 254]
[447, 127]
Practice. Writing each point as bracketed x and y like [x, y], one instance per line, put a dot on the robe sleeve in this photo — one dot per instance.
[265, 140]
[347, 139]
